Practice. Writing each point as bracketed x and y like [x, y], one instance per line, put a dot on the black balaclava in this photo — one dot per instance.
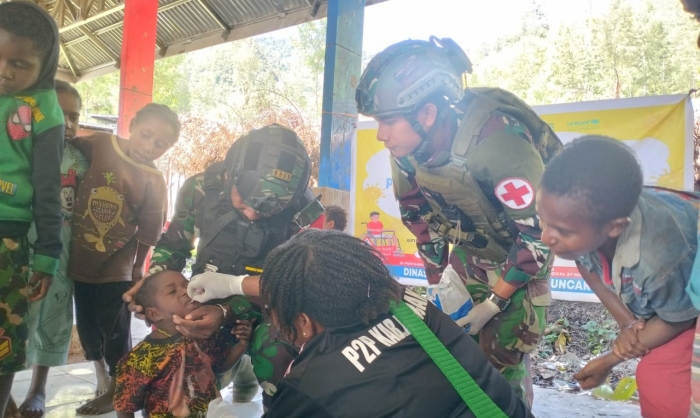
[50, 63]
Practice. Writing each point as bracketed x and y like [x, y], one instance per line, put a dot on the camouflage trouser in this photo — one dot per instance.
[14, 331]
[508, 338]
[269, 353]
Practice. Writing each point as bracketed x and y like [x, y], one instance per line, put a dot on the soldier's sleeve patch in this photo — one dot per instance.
[515, 193]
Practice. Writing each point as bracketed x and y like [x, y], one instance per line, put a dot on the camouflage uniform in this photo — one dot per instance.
[270, 355]
[269, 170]
[512, 334]
[470, 181]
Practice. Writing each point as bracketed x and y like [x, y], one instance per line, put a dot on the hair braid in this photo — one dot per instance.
[333, 277]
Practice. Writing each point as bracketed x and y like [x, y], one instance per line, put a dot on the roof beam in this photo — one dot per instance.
[212, 13]
[94, 17]
[119, 24]
[68, 59]
[71, 9]
[85, 8]
[107, 50]
[314, 7]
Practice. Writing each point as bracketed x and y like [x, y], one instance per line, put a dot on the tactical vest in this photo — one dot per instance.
[461, 212]
[229, 243]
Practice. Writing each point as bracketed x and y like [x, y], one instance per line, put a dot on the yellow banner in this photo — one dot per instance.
[656, 133]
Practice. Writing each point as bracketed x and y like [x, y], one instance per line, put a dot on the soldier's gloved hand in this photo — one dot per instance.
[209, 285]
[479, 316]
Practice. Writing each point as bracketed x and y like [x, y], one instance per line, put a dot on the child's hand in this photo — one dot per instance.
[594, 374]
[38, 286]
[627, 345]
[243, 331]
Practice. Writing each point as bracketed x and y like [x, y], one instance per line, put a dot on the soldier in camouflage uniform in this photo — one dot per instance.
[240, 210]
[465, 167]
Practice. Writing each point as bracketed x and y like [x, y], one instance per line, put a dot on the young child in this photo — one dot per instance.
[168, 375]
[335, 217]
[635, 248]
[31, 139]
[120, 210]
[51, 319]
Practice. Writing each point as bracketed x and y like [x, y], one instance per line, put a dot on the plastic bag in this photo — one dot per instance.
[451, 295]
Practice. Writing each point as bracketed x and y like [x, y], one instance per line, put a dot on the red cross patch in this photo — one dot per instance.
[515, 193]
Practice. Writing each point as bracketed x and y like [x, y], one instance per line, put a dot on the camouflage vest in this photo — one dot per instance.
[461, 212]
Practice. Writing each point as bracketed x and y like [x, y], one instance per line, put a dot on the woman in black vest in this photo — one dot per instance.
[330, 294]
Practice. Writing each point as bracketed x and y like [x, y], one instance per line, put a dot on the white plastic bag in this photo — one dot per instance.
[451, 295]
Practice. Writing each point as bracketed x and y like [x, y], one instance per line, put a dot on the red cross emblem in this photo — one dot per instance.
[515, 193]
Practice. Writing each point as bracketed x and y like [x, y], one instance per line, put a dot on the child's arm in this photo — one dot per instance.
[141, 254]
[627, 344]
[151, 219]
[656, 333]
[131, 384]
[243, 331]
[608, 298]
[47, 152]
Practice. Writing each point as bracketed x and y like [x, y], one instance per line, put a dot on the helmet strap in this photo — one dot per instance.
[424, 152]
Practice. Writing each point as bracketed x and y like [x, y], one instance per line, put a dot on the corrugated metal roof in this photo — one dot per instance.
[91, 33]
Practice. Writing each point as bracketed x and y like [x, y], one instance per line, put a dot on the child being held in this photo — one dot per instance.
[634, 246]
[168, 375]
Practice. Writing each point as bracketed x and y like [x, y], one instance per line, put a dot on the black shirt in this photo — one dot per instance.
[380, 370]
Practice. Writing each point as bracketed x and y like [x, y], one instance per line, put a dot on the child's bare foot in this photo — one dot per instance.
[101, 404]
[11, 410]
[102, 377]
[33, 406]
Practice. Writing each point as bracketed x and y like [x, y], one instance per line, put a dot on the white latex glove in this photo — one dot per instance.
[479, 316]
[209, 285]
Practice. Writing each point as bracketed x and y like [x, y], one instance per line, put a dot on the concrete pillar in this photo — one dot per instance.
[137, 60]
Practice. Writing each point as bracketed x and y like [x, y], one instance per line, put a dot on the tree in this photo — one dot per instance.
[310, 43]
[170, 83]
[100, 95]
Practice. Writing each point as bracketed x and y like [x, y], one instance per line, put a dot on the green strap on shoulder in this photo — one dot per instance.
[478, 402]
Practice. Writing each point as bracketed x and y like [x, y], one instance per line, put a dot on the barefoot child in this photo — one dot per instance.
[168, 375]
[51, 319]
[31, 140]
[119, 216]
[635, 248]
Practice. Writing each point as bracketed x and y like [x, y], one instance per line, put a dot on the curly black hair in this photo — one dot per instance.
[335, 278]
[160, 111]
[23, 20]
[145, 297]
[65, 87]
[603, 173]
[338, 216]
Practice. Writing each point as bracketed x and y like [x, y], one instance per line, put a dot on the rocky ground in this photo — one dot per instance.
[577, 332]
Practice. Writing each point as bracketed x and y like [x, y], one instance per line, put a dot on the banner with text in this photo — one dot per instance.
[659, 129]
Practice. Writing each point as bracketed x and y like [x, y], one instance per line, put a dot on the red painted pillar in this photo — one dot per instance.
[137, 61]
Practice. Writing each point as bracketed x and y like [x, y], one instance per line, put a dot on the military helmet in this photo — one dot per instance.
[400, 79]
[269, 167]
